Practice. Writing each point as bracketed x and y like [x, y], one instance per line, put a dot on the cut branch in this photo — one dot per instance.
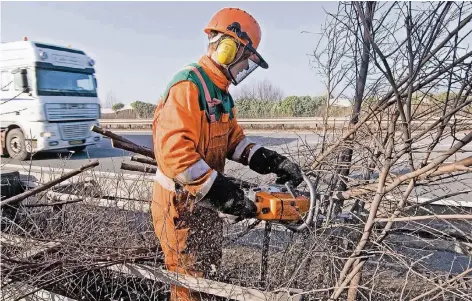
[460, 165]
[441, 170]
[132, 147]
[425, 217]
[53, 204]
[144, 160]
[133, 167]
[20, 197]
[109, 134]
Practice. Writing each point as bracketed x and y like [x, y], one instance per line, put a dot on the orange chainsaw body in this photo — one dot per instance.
[280, 206]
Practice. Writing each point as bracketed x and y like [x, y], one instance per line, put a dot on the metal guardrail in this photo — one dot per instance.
[273, 121]
[241, 121]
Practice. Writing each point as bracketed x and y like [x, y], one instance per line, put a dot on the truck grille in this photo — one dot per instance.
[68, 111]
[71, 131]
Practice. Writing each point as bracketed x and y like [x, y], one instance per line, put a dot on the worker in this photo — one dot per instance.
[194, 131]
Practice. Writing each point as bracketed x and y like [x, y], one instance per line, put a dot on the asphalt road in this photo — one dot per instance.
[111, 158]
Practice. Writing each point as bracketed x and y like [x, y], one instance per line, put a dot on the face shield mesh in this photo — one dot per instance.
[242, 74]
[246, 65]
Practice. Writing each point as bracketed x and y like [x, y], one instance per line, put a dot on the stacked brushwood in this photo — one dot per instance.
[75, 235]
[71, 238]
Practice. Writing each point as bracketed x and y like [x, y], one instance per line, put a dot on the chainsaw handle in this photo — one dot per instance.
[314, 206]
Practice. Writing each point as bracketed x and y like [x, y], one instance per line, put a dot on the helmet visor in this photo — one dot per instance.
[256, 57]
[246, 64]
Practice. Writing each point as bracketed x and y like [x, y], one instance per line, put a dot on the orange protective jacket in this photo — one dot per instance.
[194, 133]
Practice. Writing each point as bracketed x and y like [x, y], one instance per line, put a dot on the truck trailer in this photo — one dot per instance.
[49, 99]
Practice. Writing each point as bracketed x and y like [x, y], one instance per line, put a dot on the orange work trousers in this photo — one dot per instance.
[190, 236]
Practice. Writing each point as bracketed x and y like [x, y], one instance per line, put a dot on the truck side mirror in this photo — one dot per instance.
[21, 79]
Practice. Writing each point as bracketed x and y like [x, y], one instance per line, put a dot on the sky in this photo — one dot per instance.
[138, 46]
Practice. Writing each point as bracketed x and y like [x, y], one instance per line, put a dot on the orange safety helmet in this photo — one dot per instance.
[241, 26]
[227, 16]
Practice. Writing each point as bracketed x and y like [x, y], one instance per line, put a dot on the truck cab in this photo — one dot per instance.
[49, 99]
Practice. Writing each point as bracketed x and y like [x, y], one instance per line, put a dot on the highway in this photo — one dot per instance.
[111, 158]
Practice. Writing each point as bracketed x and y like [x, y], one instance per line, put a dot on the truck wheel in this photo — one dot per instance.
[16, 146]
[78, 149]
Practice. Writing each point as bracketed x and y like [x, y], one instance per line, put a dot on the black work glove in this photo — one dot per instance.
[266, 161]
[227, 197]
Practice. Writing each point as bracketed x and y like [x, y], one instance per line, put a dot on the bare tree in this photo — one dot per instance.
[111, 100]
[411, 50]
[259, 90]
[330, 60]
[342, 58]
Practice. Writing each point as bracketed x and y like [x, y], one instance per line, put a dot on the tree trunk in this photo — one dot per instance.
[346, 155]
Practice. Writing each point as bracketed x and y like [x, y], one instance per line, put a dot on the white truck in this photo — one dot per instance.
[49, 99]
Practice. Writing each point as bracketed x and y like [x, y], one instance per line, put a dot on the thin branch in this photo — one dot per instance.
[426, 217]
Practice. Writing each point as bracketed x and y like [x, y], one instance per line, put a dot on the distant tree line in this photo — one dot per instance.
[264, 100]
[291, 106]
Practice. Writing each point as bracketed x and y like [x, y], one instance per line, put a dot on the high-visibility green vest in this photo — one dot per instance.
[227, 103]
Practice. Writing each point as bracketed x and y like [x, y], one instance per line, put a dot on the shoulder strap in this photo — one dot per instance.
[202, 81]
[208, 100]
[211, 102]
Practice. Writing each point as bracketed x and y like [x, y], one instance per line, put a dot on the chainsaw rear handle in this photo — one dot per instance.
[314, 207]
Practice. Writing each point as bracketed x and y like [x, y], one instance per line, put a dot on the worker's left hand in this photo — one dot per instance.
[266, 161]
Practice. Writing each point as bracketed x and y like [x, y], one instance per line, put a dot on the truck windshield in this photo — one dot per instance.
[54, 82]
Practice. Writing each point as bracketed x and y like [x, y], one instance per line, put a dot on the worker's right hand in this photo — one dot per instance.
[227, 197]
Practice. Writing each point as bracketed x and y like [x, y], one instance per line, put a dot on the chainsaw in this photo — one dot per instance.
[275, 203]
[280, 204]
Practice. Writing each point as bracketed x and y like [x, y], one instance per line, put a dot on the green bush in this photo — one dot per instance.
[143, 109]
[117, 106]
[291, 106]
